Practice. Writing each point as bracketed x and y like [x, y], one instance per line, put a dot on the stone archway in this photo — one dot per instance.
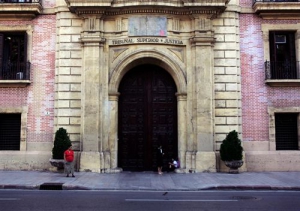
[175, 69]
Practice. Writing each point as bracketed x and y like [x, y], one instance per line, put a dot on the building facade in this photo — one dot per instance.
[133, 75]
[124, 77]
[27, 60]
[270, 84]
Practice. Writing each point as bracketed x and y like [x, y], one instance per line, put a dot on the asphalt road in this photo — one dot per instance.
[42, 200]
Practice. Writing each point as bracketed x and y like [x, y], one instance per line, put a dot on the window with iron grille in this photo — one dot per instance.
[282, 55]
[13, 56]
[286, 131]
[10, 129]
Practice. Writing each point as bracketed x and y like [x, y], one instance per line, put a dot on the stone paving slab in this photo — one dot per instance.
[152, 181]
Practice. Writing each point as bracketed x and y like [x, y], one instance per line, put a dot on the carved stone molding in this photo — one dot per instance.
[202, 40]
[92, 41]
[120, 7]
[92, 30]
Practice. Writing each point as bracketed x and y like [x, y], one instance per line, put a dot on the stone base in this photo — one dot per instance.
[112, 171]
[25, 160]
[258, 161]
[181, 171]
[90, 161]
[206, 162]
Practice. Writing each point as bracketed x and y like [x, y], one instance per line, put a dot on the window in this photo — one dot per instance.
[13, 56]
[282, 55]
[286, 130]
[10, 129]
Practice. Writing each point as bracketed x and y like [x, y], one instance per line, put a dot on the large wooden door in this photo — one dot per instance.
[147, 118]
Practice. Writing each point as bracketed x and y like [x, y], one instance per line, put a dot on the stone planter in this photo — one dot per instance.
[234, 165]
[58, 163]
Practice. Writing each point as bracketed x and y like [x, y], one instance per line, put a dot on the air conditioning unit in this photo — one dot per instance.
[19, 76]
[280, 39]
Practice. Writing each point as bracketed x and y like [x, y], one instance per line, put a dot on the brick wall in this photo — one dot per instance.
[256, 95]
[38, 97]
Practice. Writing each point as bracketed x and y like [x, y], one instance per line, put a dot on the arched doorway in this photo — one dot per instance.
[147, 117]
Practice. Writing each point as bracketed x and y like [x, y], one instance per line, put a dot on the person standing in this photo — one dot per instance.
[69, 164]
[160, 154]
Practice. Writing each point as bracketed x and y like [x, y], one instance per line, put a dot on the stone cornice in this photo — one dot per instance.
[19, 11]
[278, 10]
[184, 7]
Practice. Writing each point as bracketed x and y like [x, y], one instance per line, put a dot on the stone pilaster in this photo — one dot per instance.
[202, 45]
[92, 156]
[113, 130]
[181, 106]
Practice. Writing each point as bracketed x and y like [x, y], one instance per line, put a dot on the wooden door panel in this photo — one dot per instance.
[164, 114]
[147, 117]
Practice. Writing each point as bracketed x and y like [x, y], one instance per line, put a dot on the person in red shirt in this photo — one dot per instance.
[69, 164]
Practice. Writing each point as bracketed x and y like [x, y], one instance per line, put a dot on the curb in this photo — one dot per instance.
[20, 187]
[70, 187]
[259, 187]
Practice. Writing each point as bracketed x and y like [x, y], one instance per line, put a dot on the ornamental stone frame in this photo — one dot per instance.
[192, 154]
[176, 71]
[272, 133]
[23, 133]
[266, 28]
[100, 107]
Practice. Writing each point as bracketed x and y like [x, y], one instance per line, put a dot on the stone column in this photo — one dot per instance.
[91, 157]
[181, 107]
[113, 131]
[204, 87]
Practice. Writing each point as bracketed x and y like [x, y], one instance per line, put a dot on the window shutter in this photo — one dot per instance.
[291, 38]
[272, 46]
[25, 46]
[1, 52]
[286, 131]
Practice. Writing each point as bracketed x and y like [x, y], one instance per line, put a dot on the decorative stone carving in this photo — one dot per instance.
[179, 52]
[116, 52]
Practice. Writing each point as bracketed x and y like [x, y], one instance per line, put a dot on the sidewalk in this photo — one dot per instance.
[152, 181]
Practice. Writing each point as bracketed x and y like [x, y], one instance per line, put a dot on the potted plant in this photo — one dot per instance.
[61, 144]
[231, 152]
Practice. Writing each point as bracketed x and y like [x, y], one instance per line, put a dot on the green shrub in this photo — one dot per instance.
[61, 143]
[231, 148]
